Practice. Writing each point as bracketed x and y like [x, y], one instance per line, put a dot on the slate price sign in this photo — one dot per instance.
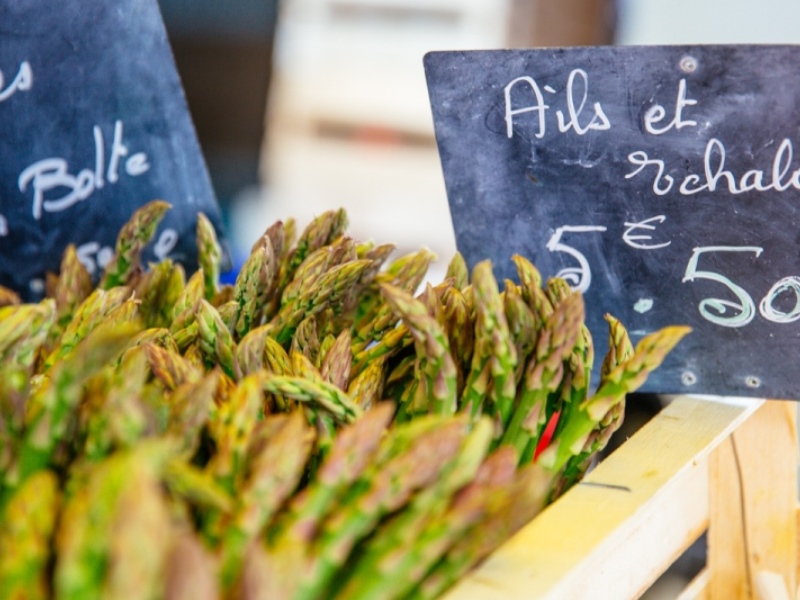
[662, 182]
[93, 124]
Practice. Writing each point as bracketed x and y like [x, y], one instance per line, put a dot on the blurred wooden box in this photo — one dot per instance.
[728, 468]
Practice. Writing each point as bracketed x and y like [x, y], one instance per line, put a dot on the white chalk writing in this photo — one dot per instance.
[634, 240]
[656, 114]
[52, 174]
[578, 79]
[715, 176]
[21, 83]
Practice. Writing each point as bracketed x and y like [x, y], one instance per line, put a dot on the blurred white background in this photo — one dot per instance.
[708, 22]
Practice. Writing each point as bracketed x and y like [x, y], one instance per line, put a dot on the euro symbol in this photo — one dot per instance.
[634, 240]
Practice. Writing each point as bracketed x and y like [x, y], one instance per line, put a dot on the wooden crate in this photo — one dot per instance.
[725, 467]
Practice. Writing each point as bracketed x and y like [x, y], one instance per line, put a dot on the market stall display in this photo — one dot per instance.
[312, 430]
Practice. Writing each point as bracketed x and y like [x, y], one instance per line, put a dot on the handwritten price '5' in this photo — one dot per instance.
[580, 277]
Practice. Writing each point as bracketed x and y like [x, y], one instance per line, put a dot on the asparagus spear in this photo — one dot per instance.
[335, 365]
[320, 232]
[531, 288]
[327, 290]
[458, 323]
[251, 349]
[216, 341]
[510, 507]
[158, 290]
[544, 372]
[366, 388]
[388, 564]
[231, 426]
[437, 366]
[620, 350]
[73, 287]
[493, 347]
[209, 256]
[277, 362]
[51, 409]
[132, 239]
[185, 306]
[316, 263]
[112, 535]
[98, 308]
[557, 290]
[26, 531]
[383, 489]
[626, 377]
[306, 339]
[253, 284]
[458, 271]
[522, 327]
[170, 368]
[318, 393]
[274, 474]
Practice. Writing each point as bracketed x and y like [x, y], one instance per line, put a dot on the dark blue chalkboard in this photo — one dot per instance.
[668, 175]
[93, 124]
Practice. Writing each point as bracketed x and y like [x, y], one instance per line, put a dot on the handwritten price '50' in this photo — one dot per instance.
[716, 309]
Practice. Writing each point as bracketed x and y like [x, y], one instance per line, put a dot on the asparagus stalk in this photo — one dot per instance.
[51, 410]
[387, 567]
[413, 464]
[544, 373]
[121, 495]
[274, 474]
[626, 377]
[209, 256]
[132, 239]
[493, 349]
[437, 367]
[26, 532]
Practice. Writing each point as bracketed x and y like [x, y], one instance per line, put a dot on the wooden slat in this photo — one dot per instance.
[753, 524]
[614, 534]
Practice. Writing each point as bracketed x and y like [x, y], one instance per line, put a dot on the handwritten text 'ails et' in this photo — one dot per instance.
[530, 98]
[53, 173]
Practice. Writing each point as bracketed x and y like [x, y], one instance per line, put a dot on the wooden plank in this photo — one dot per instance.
[614, 534]
[770, 586]
[753, 499]
[797, 550]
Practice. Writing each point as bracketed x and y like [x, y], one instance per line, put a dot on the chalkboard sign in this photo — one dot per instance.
[93, 124]
[663, 182]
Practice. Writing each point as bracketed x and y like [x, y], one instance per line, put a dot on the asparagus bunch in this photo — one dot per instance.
[318, 429]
